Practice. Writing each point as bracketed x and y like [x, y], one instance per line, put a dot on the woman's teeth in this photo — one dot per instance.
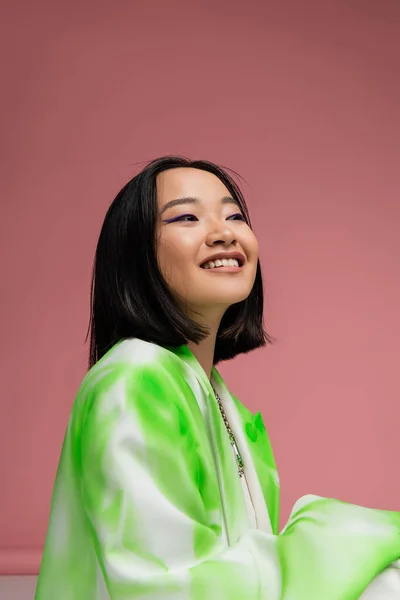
[224, 262]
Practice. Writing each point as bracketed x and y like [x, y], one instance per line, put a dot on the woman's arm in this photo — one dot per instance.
[150, 522]
[147, 507]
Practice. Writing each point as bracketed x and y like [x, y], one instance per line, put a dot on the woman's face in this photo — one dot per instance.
[190, 232]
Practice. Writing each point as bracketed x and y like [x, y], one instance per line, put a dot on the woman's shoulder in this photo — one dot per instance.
[131, 357]
[131, 369]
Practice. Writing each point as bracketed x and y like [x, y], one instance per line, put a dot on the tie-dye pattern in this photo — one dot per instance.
[147, 503]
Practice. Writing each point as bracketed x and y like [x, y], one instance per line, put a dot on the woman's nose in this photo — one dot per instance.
[224, 235]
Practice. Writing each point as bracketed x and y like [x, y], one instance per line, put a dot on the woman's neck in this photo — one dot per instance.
[204, 352]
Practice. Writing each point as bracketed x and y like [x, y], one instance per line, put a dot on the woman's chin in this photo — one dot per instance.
[225, 298]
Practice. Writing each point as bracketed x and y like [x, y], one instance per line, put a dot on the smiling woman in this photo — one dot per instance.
[167, 487]
[217, 228]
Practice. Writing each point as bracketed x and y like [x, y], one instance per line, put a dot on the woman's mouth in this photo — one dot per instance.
[224, 265]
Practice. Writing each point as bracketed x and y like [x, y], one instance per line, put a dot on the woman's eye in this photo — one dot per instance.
[184, 217]
[189, 217]
[241, 217]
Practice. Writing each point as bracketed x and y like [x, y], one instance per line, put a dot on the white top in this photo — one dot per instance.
[249, 502]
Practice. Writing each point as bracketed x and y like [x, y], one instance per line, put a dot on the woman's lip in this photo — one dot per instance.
[231, 269]
[241, 259]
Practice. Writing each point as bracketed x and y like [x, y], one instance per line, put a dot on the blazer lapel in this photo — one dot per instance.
[260, 472]
[257, 442]
[265, 466]
[232, 498]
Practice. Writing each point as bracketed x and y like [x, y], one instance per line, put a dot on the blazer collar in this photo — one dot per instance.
[263, 479]
[189, 358]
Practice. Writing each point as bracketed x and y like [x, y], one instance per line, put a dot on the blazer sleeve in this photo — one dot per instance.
[149, 516]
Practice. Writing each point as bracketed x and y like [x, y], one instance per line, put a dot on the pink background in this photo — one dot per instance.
[302, 99]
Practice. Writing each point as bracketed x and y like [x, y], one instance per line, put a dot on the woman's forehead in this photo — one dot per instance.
[186, 181]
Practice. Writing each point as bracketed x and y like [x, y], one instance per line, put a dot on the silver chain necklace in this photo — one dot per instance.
[238, 457]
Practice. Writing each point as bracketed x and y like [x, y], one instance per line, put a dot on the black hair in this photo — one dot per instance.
[129, 296]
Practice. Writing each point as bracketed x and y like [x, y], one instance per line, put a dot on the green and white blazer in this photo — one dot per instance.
[148, 504]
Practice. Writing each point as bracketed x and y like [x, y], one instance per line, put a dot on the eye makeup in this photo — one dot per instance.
[180, 217]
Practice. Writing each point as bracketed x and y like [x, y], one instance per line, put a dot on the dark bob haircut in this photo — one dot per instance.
[130, 298]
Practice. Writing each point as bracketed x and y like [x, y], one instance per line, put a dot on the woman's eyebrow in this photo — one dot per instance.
[194, 200]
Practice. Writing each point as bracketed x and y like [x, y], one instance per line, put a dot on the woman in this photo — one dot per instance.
[167, 486]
